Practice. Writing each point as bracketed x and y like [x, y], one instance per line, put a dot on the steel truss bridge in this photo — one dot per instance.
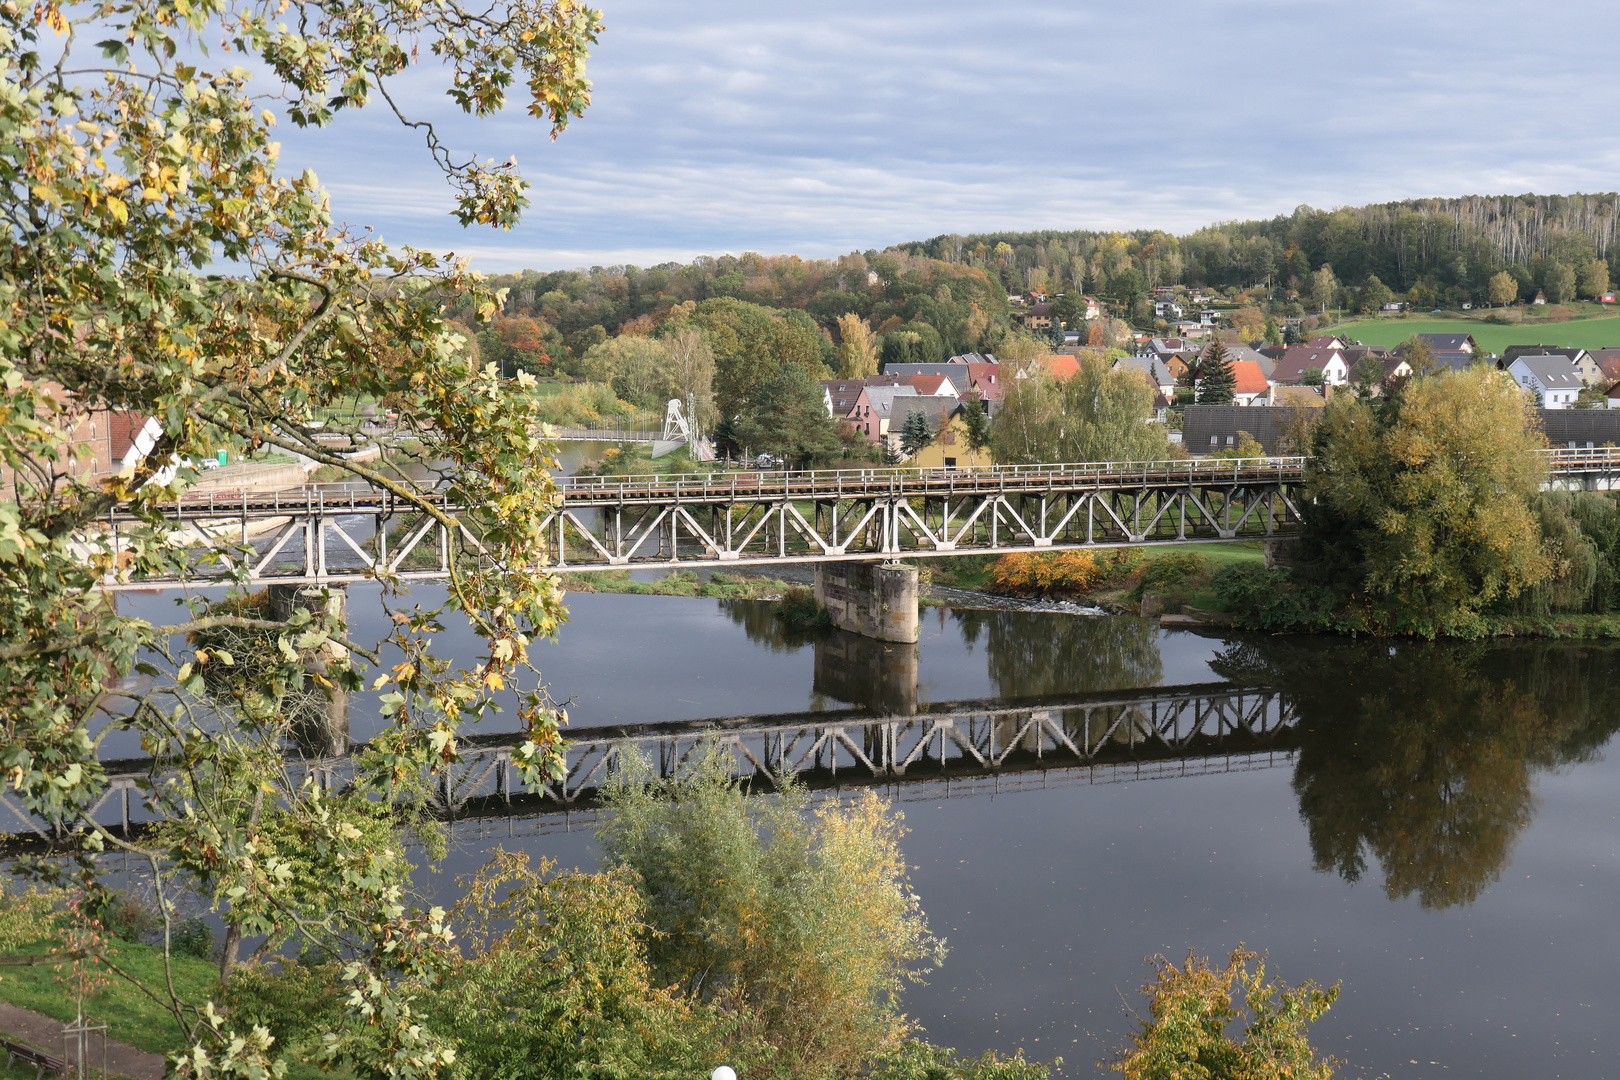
[1164, 731]
[336, 534]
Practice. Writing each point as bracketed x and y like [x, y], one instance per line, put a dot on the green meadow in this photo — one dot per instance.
[1592, 333]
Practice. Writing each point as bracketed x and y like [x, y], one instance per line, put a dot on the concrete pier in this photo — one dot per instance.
[321, 713]
[878, 600]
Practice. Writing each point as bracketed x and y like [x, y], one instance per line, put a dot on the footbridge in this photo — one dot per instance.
[977, 745]
[337, 534]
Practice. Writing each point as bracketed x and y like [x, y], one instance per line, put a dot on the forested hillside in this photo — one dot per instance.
[1448, 247]
[926, 300]
[929, 307]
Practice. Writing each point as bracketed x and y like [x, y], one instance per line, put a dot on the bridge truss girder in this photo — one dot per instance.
[701, 531]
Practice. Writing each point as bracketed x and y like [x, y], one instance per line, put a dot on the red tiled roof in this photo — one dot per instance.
[1250, 379]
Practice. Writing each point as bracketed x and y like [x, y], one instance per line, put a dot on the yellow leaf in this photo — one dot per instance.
[493, 681]
[54, 19]
[116, 206]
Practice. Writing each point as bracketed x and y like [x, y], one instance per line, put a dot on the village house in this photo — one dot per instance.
[1549, 378]
[1450, 342]
[1037, 317]
[1236, 353]
[1158, 375]
[1608, 362]
[1586, 365]
[1296, 360]
[1167, 309]
[874, 408]
[1249, 386]
[950, 448]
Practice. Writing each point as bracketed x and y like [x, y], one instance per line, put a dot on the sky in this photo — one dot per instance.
[822, 128]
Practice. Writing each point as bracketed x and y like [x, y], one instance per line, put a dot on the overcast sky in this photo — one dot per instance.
[821, 128]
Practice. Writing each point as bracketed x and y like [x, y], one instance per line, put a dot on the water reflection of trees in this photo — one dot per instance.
[1033, 654]
[1422, 756]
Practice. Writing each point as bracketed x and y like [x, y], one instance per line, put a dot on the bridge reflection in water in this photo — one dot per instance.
[967, 746]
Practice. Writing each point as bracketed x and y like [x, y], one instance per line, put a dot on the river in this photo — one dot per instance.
[1439, 837]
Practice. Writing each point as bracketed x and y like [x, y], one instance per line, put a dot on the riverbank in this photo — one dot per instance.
[715, 584]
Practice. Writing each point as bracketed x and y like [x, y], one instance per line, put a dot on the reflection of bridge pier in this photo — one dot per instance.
[880, 675]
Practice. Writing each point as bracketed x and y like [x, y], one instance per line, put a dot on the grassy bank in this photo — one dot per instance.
[677, 583]
[131, 1016]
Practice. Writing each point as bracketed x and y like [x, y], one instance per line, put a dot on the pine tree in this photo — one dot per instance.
[1216, 380]
[916, 432]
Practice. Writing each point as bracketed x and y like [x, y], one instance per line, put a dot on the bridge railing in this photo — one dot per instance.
[867, 480]
[351, 496]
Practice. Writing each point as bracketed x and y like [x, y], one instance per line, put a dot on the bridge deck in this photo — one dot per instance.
[733, 518]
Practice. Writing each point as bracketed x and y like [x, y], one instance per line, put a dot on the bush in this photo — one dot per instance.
[799, 610]
[1045, 572]
[1265, 599]
[1192, 1006]
[194, 938]
[297, 1004]
[129, 919]
[1172, 569]
[804, 926]
[583, 404]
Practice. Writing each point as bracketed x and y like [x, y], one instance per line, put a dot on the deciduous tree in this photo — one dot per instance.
[157, 264]
[857, 352]
[1425, 506]
[1503, 289]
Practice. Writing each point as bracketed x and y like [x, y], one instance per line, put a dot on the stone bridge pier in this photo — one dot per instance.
[878, 600]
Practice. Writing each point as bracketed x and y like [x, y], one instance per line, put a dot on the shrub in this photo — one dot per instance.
[194, 938]
[297, 1004]
[1173, 568]
[803, 925]
[798, 609]
[129, 919]
[1045, 572]
[1266, 599]
[581, 404]
[1192, 1006]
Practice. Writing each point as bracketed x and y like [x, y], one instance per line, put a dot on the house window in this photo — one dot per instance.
[1214, 440]
[950, 463]
[1229, 440]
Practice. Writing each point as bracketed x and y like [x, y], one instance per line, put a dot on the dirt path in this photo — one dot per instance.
[43, 1033]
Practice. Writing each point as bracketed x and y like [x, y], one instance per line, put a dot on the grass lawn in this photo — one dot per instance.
[131, 1016]
[1591, 333]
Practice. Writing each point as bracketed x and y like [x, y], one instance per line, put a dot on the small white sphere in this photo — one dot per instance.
[724, 1072]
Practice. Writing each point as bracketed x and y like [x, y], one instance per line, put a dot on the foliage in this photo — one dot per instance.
[753, 347]
[1424, 507]
[1216, 379]
[1044, 573]
[917, 1060]
[1097, 414]
[582, 405]
[1372, 295]
[553, 981]
[295, 1001]
[1503, 289]
[976, 423]
[637, 368]
[1192, 1006]
[916, 431]
[785, 417]
[1169, 569]
[131, 179]
[798, 609]
[802, 924]
[1260, 598]
[857, 351]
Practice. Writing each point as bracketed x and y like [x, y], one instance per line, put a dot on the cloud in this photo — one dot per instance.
[819, 129]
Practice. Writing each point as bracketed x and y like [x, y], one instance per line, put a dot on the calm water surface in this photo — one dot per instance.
[1442, 839]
